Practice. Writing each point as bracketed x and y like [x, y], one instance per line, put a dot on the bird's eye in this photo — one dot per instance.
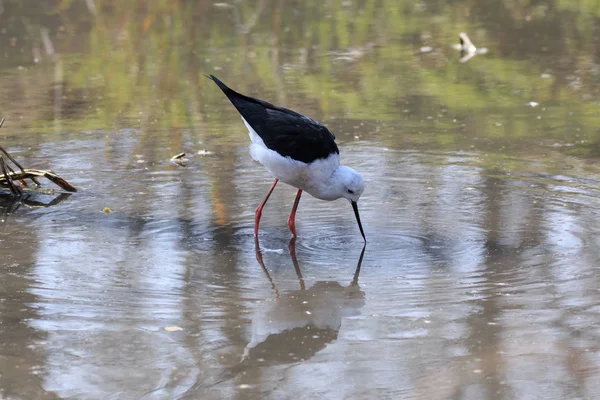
[350, 191]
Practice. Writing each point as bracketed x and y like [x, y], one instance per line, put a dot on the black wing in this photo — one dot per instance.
[284, 131]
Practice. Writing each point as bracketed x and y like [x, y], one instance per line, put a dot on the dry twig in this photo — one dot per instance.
[9, 176]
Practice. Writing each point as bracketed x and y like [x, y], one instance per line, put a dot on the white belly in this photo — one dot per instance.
[285, 169]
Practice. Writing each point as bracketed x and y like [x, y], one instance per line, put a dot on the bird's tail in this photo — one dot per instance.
[220, 84]
[237, 99]
[240, 101]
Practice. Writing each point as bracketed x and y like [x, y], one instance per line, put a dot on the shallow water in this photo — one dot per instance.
[480, 275]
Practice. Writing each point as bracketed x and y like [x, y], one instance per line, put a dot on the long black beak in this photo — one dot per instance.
[355, 208]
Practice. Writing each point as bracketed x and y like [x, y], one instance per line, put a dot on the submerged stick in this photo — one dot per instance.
[10, 158]
[15, 161]
[32, 173]
[9, 182]
[8, 175]
[6, 152]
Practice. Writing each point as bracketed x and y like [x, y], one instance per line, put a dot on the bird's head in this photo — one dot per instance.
[350, 185]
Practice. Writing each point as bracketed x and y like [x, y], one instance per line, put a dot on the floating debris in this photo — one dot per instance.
[466, 43]
[178, 156]
[467, 48]
[533, 104]
[204, 153]
[179, 159]
[106, 210]
[8, 179]
[351, 54]
[222, 5]
[173, 328]
[14, 178]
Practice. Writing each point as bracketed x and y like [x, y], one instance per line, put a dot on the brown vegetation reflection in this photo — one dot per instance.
[142, 65]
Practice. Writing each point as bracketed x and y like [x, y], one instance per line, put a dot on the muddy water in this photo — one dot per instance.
[480, 278]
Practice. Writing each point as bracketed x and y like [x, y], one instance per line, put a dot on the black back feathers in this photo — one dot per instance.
[284, 131]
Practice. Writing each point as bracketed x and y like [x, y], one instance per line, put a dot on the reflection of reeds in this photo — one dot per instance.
[148, 60]
[143, 61]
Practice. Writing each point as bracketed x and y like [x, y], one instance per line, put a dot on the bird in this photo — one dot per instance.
[296, 150]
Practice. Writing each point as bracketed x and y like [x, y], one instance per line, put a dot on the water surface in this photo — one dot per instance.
[480, 276]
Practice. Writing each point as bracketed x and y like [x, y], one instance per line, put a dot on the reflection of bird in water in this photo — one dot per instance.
[298, 324]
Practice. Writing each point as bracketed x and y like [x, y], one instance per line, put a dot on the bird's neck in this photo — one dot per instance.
[327, 187]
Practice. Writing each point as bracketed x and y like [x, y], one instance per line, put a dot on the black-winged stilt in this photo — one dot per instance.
[296, 150]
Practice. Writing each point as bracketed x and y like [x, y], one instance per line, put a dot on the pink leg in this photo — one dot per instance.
[292, 217]
[258, 212]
